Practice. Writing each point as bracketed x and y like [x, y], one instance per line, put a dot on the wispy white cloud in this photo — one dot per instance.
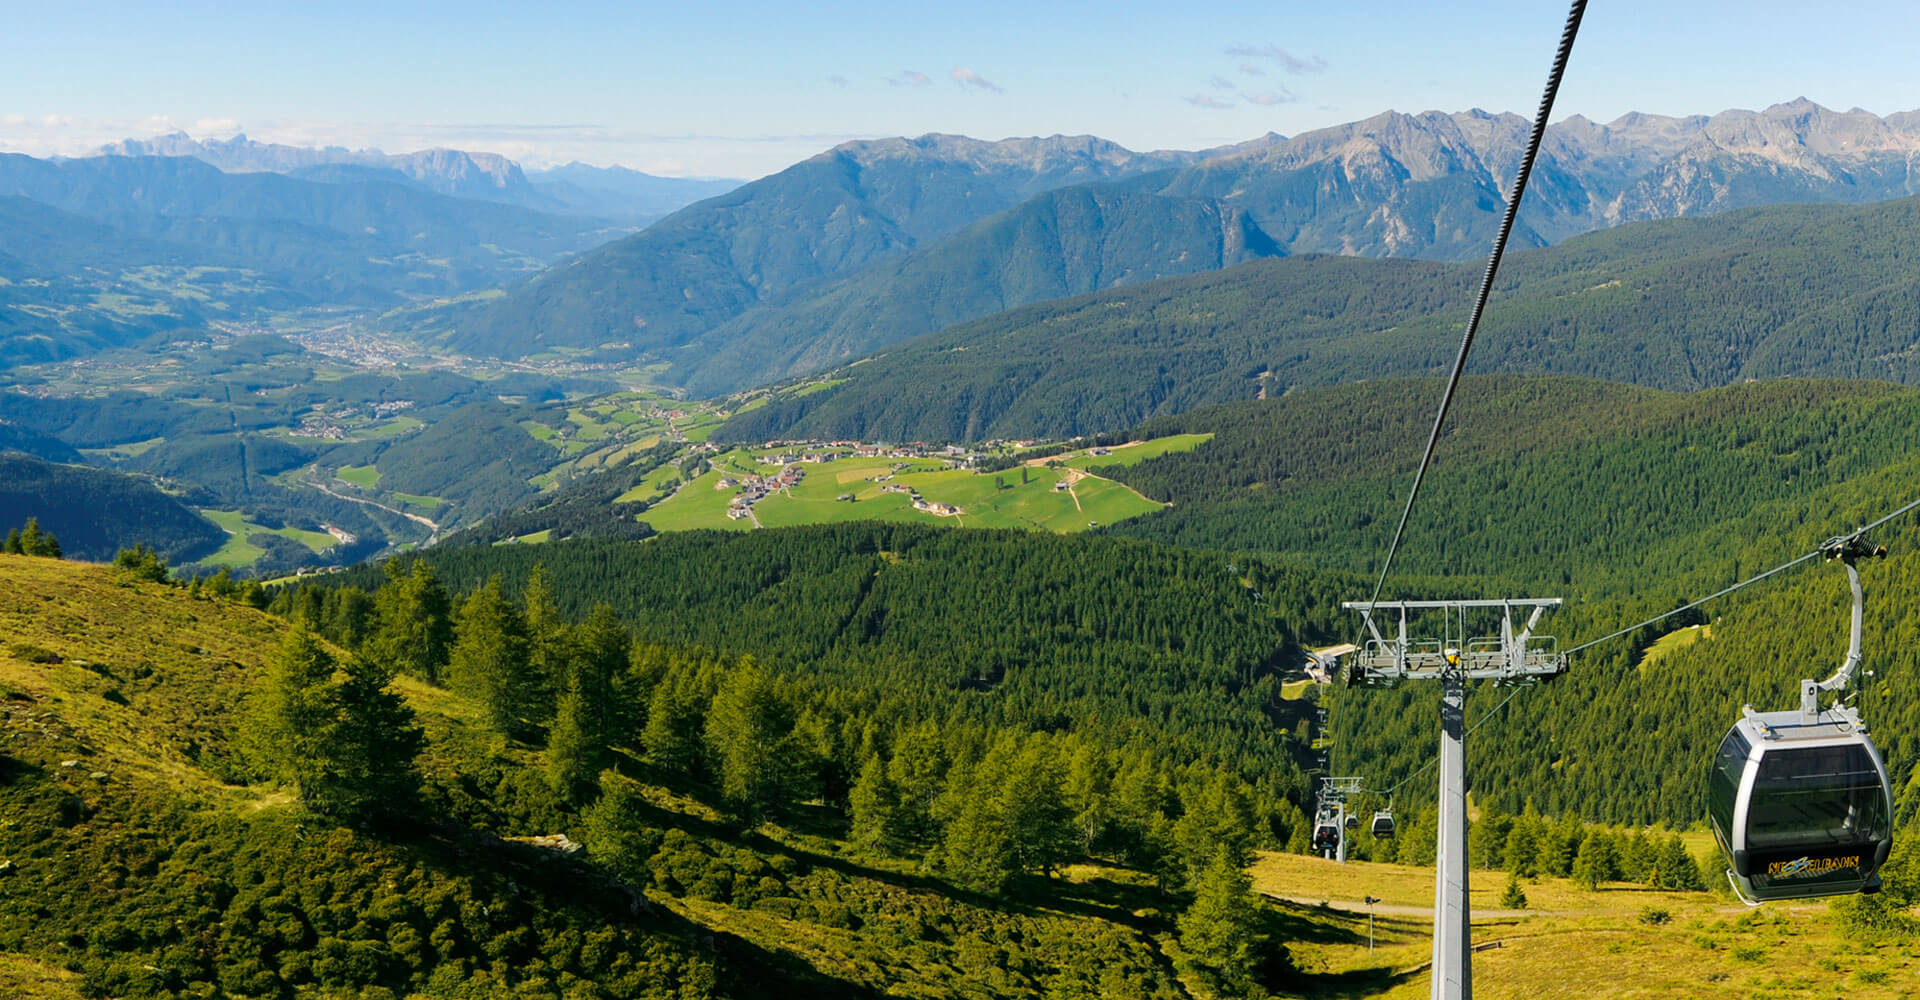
[1252, 70]
[839, 81]
[910, 78]
[1222, 83]
[1208, 101]
[968, 78]
[1274, 53]
[1271, 97]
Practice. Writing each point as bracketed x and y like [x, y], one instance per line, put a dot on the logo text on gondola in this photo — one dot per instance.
[1812, 867]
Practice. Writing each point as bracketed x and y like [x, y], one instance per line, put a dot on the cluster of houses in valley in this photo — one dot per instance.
[757, 488]
[827, 451]
[334, 426]
[921, 503]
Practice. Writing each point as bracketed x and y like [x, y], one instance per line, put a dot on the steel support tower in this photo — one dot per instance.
[1514, 656]
[1332, 808]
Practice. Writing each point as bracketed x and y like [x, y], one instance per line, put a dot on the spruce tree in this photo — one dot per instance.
[550, 647]
[374, 747]
[140, 563]
[13, 543]
[346, 743]
[1594, 862]
[1514, 898]
[35, 542]
[676, 720]
[350, 616]
[1674, 868]
[574, 756]
[600, 663]
[291, 720]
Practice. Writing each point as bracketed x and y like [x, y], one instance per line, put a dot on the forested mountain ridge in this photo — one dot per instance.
[95, 513]
[824, 218]
[1782, 291]
[1067, 242]
[1626, 502]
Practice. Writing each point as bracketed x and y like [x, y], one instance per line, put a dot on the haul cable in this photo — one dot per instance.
[1724, 591]
[1572, 28]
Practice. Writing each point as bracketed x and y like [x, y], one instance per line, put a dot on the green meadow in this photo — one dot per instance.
[238, 552]
[1034, 498]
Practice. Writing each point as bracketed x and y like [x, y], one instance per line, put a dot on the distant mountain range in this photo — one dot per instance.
[108, 250]
[615, 193]
[841, 255]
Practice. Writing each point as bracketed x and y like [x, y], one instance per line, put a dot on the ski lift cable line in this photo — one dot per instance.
[1560, 57]
[1756, 578]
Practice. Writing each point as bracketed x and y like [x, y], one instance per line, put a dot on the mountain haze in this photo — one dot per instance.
[574, 189]
[123, 247]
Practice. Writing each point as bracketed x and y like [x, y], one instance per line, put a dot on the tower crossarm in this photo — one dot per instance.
[1514, 656]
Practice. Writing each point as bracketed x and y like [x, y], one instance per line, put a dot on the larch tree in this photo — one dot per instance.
[1221, 928]
[749, 730]
[345, 741]
[489, 659]
[415, 633]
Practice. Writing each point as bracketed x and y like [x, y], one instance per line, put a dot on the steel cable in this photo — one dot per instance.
[1565, 50]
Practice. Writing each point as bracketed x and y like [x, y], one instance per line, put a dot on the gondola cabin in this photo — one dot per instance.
[1801, 808]
[1326, 834]
[1382, 825]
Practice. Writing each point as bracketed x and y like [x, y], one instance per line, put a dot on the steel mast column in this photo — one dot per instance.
[1515, 656]
[1452, 944]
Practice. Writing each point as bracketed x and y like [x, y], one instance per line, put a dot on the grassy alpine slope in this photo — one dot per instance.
[1612, 943]
[135, 868]
[132, 861]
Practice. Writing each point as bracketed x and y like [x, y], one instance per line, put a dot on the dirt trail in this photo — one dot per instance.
[1402, 910]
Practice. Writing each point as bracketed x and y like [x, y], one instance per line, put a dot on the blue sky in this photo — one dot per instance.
[743, 89]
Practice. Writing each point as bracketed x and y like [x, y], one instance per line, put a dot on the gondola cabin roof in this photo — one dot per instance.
[1769, 729]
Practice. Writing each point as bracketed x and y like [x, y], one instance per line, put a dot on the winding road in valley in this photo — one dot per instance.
[416, 518]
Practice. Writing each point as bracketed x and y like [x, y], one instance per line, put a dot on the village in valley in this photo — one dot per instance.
[997, 484]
